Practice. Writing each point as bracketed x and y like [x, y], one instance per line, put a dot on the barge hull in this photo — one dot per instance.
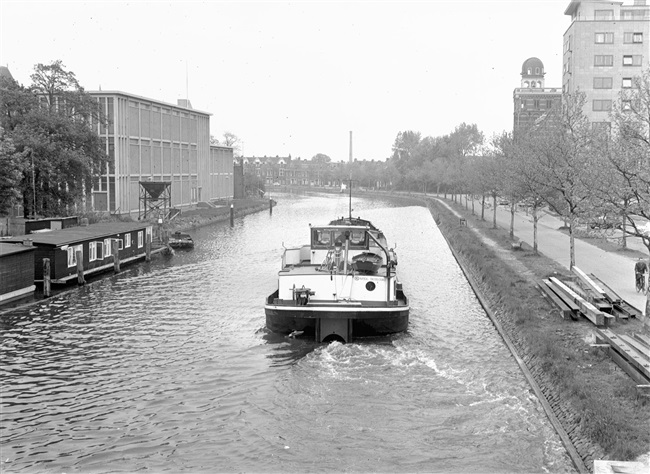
[365, 320]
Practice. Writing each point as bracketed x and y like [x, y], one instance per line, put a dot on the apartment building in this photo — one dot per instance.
[605, 47]
[150, 140]
[532, 100]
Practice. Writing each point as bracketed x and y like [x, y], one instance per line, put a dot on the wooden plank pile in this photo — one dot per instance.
[631, 353]
[568, 309]
[594, 293]
[586, 295]
[621, 308]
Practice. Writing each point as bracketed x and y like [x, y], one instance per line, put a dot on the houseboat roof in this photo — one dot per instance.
[7, 248]
[74, 235]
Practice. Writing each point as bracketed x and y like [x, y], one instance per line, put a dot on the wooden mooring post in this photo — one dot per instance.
[147, 248]
[270, 206]
[116, 256]
[47, 278]
[80, 268]
[232, 215]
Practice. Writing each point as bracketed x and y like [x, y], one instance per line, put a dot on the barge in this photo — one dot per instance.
[340, 286]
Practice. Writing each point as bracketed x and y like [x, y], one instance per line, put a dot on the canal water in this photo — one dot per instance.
[168, 367]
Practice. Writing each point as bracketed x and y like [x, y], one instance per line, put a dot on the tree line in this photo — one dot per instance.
[577, 169]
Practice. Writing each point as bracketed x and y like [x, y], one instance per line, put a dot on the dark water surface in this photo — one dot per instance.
[168, 367]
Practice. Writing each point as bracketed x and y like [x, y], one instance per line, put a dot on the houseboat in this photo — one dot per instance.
[16, 271]
[96, 243]
[340, 286]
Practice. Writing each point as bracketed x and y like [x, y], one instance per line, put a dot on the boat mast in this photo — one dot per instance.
[350, 180]
[350, 203]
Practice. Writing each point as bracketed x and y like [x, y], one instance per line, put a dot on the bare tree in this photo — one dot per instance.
[560, 147]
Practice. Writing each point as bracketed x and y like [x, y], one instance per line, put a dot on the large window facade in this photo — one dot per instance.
[149, 140]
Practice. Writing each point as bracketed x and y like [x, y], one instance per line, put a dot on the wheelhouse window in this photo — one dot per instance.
[321, 238]
[358, 237]
[140, 239]
[127, 240]
[107, 248]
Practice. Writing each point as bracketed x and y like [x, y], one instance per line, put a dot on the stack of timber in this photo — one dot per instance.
[620, 308]
[568, 309]
[588, 296]
[572, 302]
[631, 353]
[594, 293]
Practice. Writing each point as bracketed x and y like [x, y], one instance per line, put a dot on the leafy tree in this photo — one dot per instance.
[630, 159]
[49, 125]
[11, 166]
[465, 140]
[404, 149]
[622, 176]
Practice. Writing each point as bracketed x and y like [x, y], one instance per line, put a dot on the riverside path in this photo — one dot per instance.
[615, 270]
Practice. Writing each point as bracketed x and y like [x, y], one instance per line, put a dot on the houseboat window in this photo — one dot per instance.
[107, 248]
[119, 243]
[140, 239]
[127, 240]
[92, 251]
[72, 254]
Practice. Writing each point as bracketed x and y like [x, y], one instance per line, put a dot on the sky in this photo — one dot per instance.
[295, 78]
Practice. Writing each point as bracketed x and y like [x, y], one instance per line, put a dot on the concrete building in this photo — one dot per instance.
[605, 46]
[533, 99]
[149, 140]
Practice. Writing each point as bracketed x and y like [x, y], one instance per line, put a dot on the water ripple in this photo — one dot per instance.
[168, 367]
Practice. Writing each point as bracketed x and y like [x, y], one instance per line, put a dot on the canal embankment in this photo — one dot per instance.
[222, 212]
[596, 403]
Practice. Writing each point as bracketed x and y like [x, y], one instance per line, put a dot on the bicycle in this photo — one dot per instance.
[641, 283]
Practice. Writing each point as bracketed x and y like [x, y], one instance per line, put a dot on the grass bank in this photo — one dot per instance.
[597, 403]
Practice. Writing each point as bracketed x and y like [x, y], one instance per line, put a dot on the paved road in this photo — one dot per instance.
[615, 270]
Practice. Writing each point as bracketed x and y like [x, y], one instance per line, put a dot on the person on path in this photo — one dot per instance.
[640, 269]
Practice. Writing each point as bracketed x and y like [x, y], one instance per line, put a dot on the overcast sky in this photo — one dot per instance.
[296, 77]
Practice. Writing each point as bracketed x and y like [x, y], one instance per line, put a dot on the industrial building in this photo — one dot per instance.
[148, 140]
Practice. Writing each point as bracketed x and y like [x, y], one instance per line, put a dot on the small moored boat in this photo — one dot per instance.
[180, 240]
[340, 286]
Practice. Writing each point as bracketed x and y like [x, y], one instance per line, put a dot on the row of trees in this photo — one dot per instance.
[566, 163]
[49, 155]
